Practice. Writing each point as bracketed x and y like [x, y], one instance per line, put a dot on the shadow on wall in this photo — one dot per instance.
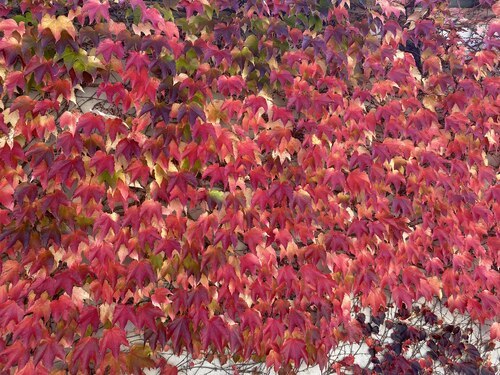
[463, 3]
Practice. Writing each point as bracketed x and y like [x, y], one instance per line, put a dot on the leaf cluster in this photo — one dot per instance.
[257, 173]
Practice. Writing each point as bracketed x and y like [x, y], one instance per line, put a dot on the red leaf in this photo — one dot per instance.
[89, 191]
[283, 76]
[14, 80]
[62, 308]
[296, 319]
[96, 10]
[249, 262]
[103, 162]
[424, 27]
[352, 331]
[129, 148]
[10, 311]
[251, 319]
[255, 103]
[69, 143]
[180, 333]
[11, 271]
[273, 359]
[6, 194]
[147, 315]
[287, 278]
[273, 329]
[495, 331]
[402, 206]
[115, 126]
[23, 104]
[16, 353]
[489, 302]
[108, 48]
[412, 276]
[85, 352]
[112, 339]
[230, 85]
[375, 299]
[391, 7]
[138, 171]
[47, 351]
[103, 224]
[215, 333]
[64, 168]
[167, 369]
[59, 87]
[400, 294]
[294, 350]
[151, 209]
[29, 369]
[124, 314]
[357, 182]
[89, 122]
[140, 271]
[89, 316]
[253, 237]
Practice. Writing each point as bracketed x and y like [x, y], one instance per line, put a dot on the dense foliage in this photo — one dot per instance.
[258, 175]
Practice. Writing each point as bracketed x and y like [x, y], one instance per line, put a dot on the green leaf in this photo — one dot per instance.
[186, 65]
[156, 261]
[185, 164]
[201, 22]
[291, 21]
[27, 18]
[316, 23]
[197, 166]
[69, 57]
[84, 221]
[191, 54]
[191, 265]
[304, 19]
[165, 12]
[187, 132]
[198, 98]
[245, 52]
[79, 66]
[109, 179]
[216, 195]
[252, 43]
[137, 15]
[209, 11]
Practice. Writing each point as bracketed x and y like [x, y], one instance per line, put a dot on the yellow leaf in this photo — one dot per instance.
[57, 26]
[106, 312]
[139, 357]
[430, 102]
[142, 28]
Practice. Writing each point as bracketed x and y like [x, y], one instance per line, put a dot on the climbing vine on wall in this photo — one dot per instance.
[259, 181]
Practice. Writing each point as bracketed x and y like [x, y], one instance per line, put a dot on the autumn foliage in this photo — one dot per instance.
[260, 175]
